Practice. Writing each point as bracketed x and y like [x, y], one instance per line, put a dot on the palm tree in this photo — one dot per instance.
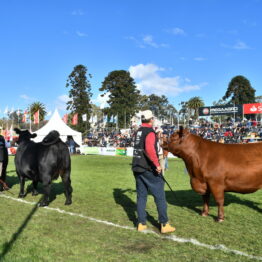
[34, 107]
[194, 103]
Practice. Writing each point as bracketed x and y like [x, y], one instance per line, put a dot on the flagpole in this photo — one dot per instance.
[117, 122]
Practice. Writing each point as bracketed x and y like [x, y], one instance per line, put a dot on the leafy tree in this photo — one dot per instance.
[16, 116]
[194, 103]
[80, 95]
[258, 99]
[239, 91]
[159, 105]
[143, 103]
[34, 107]
[123, 96]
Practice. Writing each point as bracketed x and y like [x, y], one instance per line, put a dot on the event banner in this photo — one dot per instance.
[220, 110]
[120, 151]
[252, 108]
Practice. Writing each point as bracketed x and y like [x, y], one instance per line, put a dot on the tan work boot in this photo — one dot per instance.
[141, 227]
[166, 228]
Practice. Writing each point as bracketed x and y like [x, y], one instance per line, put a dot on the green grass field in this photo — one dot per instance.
[104, 189]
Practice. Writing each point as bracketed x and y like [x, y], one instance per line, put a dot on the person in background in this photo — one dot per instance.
[166, 156]
[71, 144]
[160, 151]
[3, 161]
[147, 173]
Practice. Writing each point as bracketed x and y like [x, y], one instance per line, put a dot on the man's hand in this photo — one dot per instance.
[159, 169]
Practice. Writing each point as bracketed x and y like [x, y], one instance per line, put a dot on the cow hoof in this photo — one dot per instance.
[219, 220]
[68, 202]
[204, 214]
[34, 193]
[43, 204]
[21, 195]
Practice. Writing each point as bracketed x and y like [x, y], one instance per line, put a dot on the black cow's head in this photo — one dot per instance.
[24, 135]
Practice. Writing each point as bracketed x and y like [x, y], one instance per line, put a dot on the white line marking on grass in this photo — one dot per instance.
[169, 237]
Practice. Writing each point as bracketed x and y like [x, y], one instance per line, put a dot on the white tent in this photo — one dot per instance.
[56, 123]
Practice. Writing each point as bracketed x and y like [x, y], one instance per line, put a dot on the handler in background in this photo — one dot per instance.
[160, 151]
[147, 173]
[3, 161]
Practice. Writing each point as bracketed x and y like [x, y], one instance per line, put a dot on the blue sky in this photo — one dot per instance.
[176, 48]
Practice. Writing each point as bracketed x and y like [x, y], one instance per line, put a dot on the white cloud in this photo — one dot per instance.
[61, 102]
[201, 35]
[239, 45]
[147, 40]
[26, 97]
[77, 12]
[176, 31]
[81, 34]
[101, 101]
[149, 81]
[49, 113]
[199, 58]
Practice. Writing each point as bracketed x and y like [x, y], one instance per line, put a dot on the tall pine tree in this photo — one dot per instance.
[80, 95]
[123, 96]
[240, 91]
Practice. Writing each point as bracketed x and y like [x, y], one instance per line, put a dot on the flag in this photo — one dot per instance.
[7, 133]
[65, 118]
[105, 119]
[75, 119]
[36, 117]
[24, 117]
[91, 119]
[84, 117]
[95, 119]
[112, 119]
[11, 131]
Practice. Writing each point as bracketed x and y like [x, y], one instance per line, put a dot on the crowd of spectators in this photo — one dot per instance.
[230, 131]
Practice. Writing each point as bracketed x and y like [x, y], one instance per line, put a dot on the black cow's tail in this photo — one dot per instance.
[52, 138]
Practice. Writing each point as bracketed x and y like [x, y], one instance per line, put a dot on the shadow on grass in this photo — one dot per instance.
[8, 245]
[56, 189]
[129, 205]
[190, 199]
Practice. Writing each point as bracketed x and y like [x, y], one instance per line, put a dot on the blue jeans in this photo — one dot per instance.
[148, 181]
[166, 163]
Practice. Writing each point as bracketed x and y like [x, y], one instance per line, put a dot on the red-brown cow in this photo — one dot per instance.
[217, 168]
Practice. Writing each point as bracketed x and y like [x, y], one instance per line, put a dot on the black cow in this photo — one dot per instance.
[43, 162]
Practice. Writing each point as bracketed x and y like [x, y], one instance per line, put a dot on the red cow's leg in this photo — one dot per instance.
[218, 193]
[206, 198]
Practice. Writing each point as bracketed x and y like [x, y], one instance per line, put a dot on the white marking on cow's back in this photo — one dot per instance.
[169, 237]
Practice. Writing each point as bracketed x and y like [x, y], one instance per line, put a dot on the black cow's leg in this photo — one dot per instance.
[22, 187]
[206, 199]
[68, 188]
[34, 191]
[3, 175]
[47, 190]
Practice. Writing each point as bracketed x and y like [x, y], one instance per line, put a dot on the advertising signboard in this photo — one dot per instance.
[121, 151]
[220, 110]
[255, 108]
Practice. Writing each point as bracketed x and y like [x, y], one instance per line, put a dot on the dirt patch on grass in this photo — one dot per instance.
[139, 247]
